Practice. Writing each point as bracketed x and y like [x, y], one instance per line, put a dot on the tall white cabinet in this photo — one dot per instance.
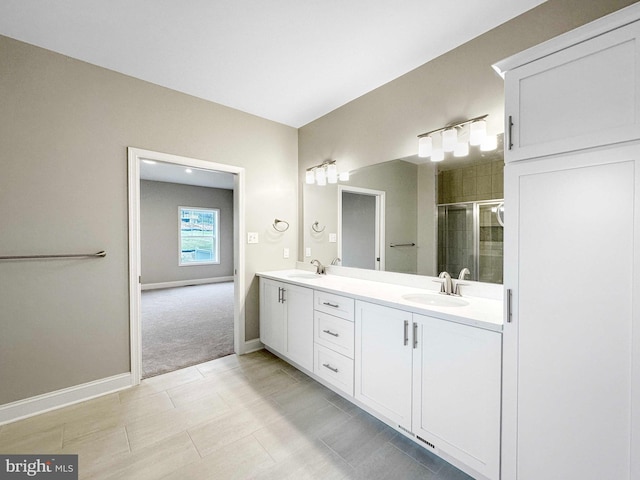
[571, 371]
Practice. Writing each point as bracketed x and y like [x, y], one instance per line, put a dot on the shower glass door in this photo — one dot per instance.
[456, 239]
[471, 235]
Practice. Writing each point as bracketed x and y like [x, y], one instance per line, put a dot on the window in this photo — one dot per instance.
[199, 236]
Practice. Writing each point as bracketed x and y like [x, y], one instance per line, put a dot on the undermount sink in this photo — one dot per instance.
[435, 300]
[308, 276]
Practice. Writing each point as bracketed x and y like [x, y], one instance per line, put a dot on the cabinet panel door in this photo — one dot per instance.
[580, 97]
[271, 314]
[298, 303]
[456, 397]
[571, 395]
[383, 361]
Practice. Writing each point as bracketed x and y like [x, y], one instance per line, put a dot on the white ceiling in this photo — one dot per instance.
[291, 61]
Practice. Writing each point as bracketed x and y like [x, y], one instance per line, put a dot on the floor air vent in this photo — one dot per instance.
[424, 441]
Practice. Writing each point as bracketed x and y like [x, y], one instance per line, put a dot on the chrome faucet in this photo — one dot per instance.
[320, 269]
[336, 261]
[447, 284]
[457, 284]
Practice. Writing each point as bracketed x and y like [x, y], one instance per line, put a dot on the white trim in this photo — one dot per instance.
[380, 220]
[597, 27]
[185, 283]
[29, 407]
[253, 345]
[134, 157]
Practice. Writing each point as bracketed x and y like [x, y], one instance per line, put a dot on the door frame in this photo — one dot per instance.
[380, 196]
[135, 155]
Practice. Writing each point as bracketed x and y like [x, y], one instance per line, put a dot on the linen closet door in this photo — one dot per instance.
[572, 369]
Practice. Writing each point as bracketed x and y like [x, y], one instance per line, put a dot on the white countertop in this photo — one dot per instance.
[480, 312]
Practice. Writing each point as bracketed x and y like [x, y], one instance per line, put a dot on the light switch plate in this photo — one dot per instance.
[252, 237]
[333, 238]
[285, 253]
[307, 252]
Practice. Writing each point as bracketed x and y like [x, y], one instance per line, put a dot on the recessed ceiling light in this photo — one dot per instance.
[188, 170]
[150, 162]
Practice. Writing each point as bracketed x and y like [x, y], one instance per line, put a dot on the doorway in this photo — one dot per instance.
[361, 227]
[136, 157]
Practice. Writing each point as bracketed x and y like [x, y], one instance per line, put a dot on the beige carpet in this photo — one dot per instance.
[185, 326]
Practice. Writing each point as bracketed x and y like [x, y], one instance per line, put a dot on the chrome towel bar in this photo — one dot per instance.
[402, 244]
[99, 254]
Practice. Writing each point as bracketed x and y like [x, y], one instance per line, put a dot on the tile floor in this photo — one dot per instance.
[249, 417]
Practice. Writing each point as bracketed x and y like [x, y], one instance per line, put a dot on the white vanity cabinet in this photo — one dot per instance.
[437, 380]
[457, 391]
[286, 320]
[583, 91]
[383, 354]
[571, 388]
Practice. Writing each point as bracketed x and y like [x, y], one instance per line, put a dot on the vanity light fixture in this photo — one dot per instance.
[326, 172]
[456, 138]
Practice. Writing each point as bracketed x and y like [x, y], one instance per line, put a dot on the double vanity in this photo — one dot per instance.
[427, 364]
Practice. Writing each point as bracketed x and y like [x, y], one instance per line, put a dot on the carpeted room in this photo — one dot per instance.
[187, 299]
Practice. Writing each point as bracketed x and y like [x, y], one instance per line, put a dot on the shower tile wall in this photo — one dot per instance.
[484, 181]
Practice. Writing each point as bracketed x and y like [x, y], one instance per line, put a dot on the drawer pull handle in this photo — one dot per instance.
[331, 333]
[334, 305]
[326, 365]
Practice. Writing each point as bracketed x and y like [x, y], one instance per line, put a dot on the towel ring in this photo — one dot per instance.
[277, 222]
[315, 227]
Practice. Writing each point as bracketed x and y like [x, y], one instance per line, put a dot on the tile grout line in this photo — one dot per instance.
[194, 444]
[126, 435]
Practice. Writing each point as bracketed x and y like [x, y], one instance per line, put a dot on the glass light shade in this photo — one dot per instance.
[477, 132]
[425, 146]
[344, 176]
[449, 139]
[310, 177]
[490, 142]
[332, 173]
[321, 178]
[461, 150]
[437, 155]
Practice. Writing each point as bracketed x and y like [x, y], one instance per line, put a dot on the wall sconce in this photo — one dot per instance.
[326, 172]
[456, 138]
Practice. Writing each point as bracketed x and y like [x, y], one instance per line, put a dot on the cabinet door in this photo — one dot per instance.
[272, 314]
[572, 350]
[298, 303]
[456, 392]
[383, 361]
[580, 97]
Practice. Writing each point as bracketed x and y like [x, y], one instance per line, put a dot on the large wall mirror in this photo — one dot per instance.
[411, 216]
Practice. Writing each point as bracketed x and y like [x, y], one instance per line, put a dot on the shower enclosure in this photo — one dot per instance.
[470, 235]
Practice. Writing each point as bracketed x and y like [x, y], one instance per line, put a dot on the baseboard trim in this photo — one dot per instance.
[29, 407]
[252, 346]
[184, 283]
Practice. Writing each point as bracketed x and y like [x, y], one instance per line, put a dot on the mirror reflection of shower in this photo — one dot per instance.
[470, 235]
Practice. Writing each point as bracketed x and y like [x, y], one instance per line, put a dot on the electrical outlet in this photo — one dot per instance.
[252, 237]
[307, 252]
[285, 253]
[333, 238]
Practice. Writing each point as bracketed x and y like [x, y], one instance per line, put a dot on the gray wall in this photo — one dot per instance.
[65, 127]
[159, 202]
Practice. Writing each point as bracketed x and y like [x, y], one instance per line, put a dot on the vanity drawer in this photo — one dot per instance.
[334, 333]
[334, 304]
[334, 368]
